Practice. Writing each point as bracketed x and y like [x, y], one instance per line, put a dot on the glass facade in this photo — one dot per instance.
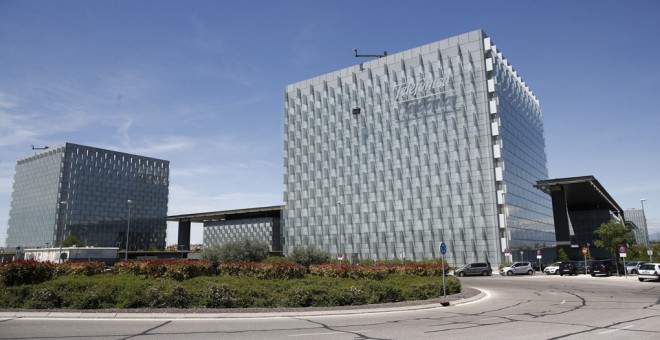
[637, 216]
[83, 192]
[388, 158]
[258, 229]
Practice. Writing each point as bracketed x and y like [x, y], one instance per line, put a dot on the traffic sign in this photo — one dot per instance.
[622, 249]
[340, 256]
[584, 250]
[443, 248]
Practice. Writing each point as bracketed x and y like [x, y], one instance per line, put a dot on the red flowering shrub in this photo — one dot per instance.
[22, 272]
[174, 269]
[415, 269]
[263, 270]
[375, 272]
[187, 269]
[79, 268]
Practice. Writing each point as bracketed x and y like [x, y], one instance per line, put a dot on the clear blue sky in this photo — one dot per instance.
[201, 83]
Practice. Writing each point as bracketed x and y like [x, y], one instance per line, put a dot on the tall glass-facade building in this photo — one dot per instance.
[391, 157]
[82, 191]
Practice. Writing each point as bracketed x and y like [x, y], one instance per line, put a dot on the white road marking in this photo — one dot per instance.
[615, 330]
[563, 302]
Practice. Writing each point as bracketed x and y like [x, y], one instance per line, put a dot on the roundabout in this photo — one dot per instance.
[518, 307]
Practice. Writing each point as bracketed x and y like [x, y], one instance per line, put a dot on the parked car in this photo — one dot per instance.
[518, 268]
[632, 267]
[552, 269]
[478, 268]
[568, 267]
[581, 268]
[605, 267]
[649, 271]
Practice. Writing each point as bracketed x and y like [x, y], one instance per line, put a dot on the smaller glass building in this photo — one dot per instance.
[637, 217]
[82, 191]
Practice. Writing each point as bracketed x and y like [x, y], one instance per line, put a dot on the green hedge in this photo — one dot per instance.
[130, 291]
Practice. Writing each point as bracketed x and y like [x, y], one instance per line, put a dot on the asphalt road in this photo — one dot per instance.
[521, 307]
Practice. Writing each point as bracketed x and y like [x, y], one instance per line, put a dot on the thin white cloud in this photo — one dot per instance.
[123, 130]
[223, 60]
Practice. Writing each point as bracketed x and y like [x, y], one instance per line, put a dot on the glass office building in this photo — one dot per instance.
[639, 219]
[391, 157]
[82, 191]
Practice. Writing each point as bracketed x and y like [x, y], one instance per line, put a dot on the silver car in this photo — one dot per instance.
[633, 267]
[518, 268]
[649, 271]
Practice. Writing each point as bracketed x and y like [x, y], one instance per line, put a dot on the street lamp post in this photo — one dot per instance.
[648, 237]
[128, 228]
[62, 234]
[341, 231]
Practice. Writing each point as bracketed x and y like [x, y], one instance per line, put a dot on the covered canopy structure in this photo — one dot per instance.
[273, 213]
[580, 205]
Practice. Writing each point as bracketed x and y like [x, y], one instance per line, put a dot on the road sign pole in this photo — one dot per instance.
[444, 286]
[443, 250]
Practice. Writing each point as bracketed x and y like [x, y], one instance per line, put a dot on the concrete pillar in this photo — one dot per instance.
[184, 235]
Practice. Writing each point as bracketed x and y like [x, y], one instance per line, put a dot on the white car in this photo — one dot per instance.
[552, 269]
[649, 271]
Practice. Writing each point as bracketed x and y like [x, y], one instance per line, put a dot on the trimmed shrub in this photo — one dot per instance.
[175, 269]
[176, 297]
[219, 296]
[309, 255]
[299, 297]
[45, 298]
[25, 272]
[415, 269]
[349, 296]
[79, 268]
[263, 270]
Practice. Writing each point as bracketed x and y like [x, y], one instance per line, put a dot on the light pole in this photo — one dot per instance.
[128, 228]
[62, 234]
[648, 237]
[341, 232]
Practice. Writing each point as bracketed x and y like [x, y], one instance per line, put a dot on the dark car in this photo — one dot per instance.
[479, 268]
[568, 267]
[582, 269]
[605, 267]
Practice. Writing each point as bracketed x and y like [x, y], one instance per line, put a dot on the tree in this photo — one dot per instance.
[243, 251]
[309, 255]
[70, 241]
[612, 235]
[561, 255]
[213, 255]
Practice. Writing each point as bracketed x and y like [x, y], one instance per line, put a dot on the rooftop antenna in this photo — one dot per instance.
[44, 148]
[369, 55]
